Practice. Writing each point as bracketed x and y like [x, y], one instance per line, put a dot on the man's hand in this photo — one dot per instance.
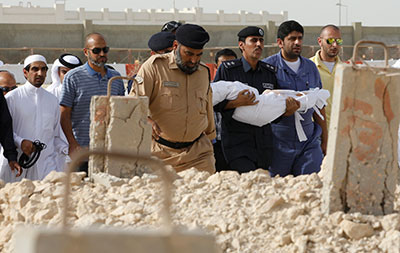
[27, 147]
[156, 129]
[73, 147]
[15, 166]
[244, 98]
[291, 106]
[324, 145]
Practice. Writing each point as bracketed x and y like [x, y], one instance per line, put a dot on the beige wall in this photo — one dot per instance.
[129, 42]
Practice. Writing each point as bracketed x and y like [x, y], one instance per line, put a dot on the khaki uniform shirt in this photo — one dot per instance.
[327, 79]
[179, 103]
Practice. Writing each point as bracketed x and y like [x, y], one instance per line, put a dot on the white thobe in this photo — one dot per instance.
[55, 89]
[36, 116]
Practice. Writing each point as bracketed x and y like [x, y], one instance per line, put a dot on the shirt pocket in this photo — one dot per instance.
[201, 101]
[48, 122]
[169, 98]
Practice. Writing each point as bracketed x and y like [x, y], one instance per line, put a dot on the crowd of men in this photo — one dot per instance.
[41, 127]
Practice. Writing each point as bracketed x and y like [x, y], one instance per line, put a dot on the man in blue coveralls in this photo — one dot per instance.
[247, 147]
[294, 72]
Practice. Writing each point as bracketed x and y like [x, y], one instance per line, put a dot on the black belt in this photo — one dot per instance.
[25, 161]
[176, 145]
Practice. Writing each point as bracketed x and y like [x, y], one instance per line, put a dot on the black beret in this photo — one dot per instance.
[251, 31]
[170, 26]
[192, 36]
[161, 40]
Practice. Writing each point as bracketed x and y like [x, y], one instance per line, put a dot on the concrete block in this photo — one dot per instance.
[125, 128]
[91, 240]
[361, 163]
[98, 112]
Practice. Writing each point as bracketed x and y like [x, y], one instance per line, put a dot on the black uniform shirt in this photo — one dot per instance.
[6, 131]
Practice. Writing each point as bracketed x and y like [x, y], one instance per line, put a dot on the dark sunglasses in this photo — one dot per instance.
[7, 89]
[97, 50]
[331, 40]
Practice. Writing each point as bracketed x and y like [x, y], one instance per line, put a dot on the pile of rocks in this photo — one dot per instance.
[251, 212]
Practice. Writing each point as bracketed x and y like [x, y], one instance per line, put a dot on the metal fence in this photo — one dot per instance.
[139, 55]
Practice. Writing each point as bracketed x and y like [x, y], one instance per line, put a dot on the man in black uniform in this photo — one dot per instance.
[6, 136]
[247, 147]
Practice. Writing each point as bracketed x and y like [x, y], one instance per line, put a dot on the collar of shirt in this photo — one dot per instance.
[246, 65]
[172, 62]
[281, 64]
[319, 63]
[93, 72]
[31, 88]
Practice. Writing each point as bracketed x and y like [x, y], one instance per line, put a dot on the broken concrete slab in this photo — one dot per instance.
[128, 130]
[94, 240]
[119, 123]
[361, 170]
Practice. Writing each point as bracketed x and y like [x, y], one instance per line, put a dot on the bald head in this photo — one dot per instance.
[328, 28]
[7, 81]
[93, 38]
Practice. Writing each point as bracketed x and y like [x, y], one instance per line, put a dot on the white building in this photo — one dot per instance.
[30, 14]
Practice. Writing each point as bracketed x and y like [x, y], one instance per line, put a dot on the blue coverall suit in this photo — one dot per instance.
[245, 147]
[290, 156]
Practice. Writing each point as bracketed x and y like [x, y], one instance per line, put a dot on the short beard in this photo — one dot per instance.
[97, 64]
[181, 65]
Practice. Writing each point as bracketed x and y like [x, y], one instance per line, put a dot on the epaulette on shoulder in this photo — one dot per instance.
[208, 69]
[268, 66]
[155, 57]
[232, 63]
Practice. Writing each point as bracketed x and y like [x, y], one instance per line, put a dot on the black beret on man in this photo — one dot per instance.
[160, 41]
[170, 26]
[251, 31]
[192, 36]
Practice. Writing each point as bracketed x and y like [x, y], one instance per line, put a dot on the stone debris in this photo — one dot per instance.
[251, 212]
[356, 230]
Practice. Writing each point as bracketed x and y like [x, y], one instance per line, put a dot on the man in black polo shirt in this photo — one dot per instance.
[247, 147]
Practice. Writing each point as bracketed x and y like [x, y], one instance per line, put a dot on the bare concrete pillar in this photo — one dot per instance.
[87, 28]
[360, 170]
[121, 126]
[271, 32]
[357, 32]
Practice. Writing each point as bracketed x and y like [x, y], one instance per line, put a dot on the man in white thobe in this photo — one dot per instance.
[36, 116]
[60, 67]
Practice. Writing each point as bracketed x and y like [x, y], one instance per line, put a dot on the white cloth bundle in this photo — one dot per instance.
[271, 105]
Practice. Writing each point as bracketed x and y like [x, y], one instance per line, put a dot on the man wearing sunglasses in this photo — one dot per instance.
[294, 72]
[326, 59]
[80, 84]
[180, 102]
[7, 81]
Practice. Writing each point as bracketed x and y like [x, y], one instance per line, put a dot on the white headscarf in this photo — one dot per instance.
[72, 61]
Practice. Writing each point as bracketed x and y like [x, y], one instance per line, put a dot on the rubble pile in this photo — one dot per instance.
[251, 212]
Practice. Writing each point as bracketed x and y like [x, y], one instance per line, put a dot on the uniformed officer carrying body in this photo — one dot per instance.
[180, 102]
[247, 147]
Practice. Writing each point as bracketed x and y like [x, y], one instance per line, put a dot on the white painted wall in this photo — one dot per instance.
[58, 15]
[17, 70]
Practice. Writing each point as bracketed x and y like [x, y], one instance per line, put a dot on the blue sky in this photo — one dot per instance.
[307, 12]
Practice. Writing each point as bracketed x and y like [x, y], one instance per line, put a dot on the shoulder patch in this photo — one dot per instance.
[269, 67]
[232, 63]
[208, 70]
[153, 58]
